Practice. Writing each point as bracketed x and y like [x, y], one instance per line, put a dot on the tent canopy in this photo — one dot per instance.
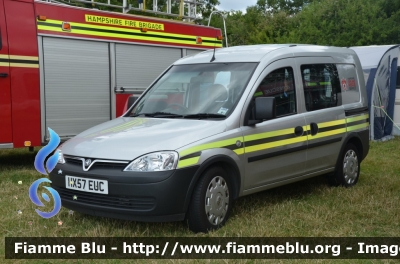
[370, 56]
[380, 65]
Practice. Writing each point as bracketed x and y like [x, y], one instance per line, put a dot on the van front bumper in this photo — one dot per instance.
[139, 196]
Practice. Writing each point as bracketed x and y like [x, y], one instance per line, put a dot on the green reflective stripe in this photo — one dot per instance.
[275, 144]
[188, 162]
[325, 83]
[311, 84]
[332, 123]
[357, 118]
[327, 133]
[353, 120]
[217, 144]
[258, 94]
[269, 134]
[239, 151]
[279, 142]
[352, 128]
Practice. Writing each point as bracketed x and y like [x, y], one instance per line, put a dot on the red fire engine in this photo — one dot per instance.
[70, 68]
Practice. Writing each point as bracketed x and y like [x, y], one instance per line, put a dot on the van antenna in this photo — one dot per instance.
[213, 57]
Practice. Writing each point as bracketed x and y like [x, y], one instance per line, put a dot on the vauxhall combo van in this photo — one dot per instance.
[217, 126]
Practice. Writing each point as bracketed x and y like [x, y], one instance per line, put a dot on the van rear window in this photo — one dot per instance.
[349, 83]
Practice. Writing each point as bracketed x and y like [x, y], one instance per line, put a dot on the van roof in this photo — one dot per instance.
[256, 53]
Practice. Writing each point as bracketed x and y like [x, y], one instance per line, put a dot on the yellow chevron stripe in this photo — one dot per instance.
[118, 128]
[275, 144]
[327, 133]
[239, 151]
[352, 128]
[125, 126]
[269, 134]
[332, 123]
[357, 118]
[278, 143]
[211, 145]
[188, 162]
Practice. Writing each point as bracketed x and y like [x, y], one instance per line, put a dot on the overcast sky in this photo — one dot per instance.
[228, 5]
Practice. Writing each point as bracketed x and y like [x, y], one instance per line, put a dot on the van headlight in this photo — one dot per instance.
[157, 161]
[61, 159]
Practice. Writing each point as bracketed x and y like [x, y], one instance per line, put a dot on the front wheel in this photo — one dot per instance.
[348, 168]
[211, 201]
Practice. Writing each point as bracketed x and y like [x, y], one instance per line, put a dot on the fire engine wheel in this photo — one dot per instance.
[348, 167]
[211, 201]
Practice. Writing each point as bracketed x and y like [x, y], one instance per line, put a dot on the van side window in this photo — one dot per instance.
[279, 84]
[398, 78]
[321, 86]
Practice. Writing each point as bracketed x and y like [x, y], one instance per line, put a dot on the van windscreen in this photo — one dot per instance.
[211, 90]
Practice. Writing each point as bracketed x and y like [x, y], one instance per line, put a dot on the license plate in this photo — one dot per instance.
[86, 185]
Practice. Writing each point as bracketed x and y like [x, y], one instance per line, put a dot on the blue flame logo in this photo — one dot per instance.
[39, 166]
[35, 199]
[45, 151]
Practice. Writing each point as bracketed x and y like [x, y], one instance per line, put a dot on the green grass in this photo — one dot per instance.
[308, 208]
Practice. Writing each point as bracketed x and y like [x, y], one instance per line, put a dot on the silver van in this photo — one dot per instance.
[219, 125]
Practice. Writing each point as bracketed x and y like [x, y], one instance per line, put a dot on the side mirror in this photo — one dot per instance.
[264, 109]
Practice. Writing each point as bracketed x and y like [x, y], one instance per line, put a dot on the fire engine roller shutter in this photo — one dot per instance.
[77, 84]
[138, 66]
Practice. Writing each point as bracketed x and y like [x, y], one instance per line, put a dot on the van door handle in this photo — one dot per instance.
[314, 129]
[298, 131]
[3, 74]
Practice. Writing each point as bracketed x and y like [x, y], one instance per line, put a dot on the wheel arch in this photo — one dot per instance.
[227, 164]
[356, 140]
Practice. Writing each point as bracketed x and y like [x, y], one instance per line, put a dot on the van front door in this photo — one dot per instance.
[324, 114]
[5, 92]
[275, 150]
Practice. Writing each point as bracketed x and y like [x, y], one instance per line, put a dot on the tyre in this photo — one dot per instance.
[211, 201]
[348, 167]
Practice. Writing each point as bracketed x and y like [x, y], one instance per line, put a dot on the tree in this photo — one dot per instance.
[288, 6]
[206, 7]
[392, 10]
[341, 23]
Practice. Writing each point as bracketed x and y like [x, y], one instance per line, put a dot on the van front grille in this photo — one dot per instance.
[125, 202]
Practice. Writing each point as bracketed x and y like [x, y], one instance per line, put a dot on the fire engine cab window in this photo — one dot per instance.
[321, 86]
[279, 84]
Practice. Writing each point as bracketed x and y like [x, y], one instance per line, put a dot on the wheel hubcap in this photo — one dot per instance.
[217, 200]
[350, 166]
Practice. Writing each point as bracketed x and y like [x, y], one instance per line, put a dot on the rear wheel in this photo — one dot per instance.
[211, 202]
[348, 167]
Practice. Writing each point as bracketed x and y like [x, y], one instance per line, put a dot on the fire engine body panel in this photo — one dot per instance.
[70, 68]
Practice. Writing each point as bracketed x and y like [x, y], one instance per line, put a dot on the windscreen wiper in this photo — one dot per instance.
[204, 115]
[157, 114]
